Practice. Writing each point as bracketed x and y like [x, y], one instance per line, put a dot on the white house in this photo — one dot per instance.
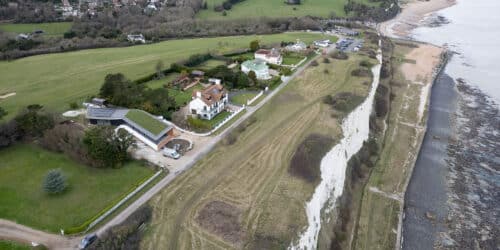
[271, 56]
[258, 66]
[209, 102]
[136, 38]
[297, 46]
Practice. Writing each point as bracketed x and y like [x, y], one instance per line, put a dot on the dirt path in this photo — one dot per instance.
[19, 233]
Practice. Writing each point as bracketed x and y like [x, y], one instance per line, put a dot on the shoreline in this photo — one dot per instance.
[411, 16]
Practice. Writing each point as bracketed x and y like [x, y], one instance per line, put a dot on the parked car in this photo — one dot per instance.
[172, 153]
[87, 240]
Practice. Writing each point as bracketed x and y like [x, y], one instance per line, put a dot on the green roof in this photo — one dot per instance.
[146, 121]
[255, 65]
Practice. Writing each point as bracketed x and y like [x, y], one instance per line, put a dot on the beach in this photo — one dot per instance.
[411, 16]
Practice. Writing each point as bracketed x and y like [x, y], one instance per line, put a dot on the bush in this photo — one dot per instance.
[326, 60]
[73, 105]
[344, 101]
[361, 72]
[366, 64]
[107, 148]
[9, 133]
[314, 63]
[339, 55]
[54, 182]
[198, 124]
[306, 160]
[33, 121]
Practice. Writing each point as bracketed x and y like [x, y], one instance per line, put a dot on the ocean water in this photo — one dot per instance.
[473, 31]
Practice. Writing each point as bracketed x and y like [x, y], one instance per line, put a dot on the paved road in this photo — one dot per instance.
[19, 233]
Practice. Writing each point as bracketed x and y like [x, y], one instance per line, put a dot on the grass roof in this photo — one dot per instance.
[146, 121]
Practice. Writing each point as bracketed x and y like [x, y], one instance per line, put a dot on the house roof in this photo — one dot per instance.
[197, 73]
[255, 65]
[268, 53]
[139, 120]
[211, 94]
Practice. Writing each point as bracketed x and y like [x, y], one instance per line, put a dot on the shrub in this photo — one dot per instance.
[198, 124]
[361, 72]
[366, 64]
[314, 63]
[306, 160]
[54, 182]
[9, 133]
[107, 148]
[33, 121]
[73, 105]
[326, 71]
[339, 55]
[326, 60]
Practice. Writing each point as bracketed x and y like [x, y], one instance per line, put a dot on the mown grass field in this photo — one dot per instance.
[378, 218]
[50, 29]
[277, 8]
[242, 98]
[10, 245]
[22, 170]
[55, 80]
[251, 174]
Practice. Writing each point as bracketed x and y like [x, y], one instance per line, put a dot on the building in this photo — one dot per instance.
[206, 104]
[214, 80]
[322, 43]
[258, 66]
[142, 125]
[136, 38]
[270, 56]
[297, 46]
[197, 73]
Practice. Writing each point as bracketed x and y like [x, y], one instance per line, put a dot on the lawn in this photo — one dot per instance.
[55, 80]
[212, 63]
[241, 99]
[22, 170]
[258, 8]
[10, 245]
[292, 59]
[50, 29]
[146, 121]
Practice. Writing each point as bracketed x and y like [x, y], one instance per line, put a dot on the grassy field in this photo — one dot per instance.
[241, 99]
[378, 218]
[273, 8]
[50, 29]
[251, 175]
[10, 245]
[257, 8]
[90, 190]
[212, 63]
[55, 80]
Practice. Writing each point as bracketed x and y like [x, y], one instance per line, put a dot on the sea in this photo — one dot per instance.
[453, 198]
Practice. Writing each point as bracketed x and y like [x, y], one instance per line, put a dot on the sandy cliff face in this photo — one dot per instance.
[355, 130]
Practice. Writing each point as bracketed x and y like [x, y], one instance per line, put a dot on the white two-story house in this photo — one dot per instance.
[270, 56]
[209, 102]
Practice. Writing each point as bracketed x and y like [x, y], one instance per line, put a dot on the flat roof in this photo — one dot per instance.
[146, 123]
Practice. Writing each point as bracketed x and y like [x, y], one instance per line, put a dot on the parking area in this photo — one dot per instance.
[349, 44]
[156, 157]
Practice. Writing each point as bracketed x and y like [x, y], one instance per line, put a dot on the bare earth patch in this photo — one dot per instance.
[223, 220]
[5, 96]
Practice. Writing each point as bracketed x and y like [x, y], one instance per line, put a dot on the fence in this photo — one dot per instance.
[249, 102]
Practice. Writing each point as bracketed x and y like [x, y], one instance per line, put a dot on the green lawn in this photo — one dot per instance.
[275, 8]
[146, 121]
[50, 29]
[241, 99]
[212, 63]
[22, 170]
[217, 119]
[10, 245]
[54, 80]
[292, 59]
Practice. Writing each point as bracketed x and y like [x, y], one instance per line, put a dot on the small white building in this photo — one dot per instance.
[206, 104]
[270, 56]
[258, 66]
[214, 80]
[322, 43]
[136, 38]
[297, 46]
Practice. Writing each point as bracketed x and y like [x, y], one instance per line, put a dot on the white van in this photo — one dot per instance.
[172, 153]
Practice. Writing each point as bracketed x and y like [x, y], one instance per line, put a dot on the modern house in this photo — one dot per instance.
[269, 55]
[142, 125]
[258, 66]
[136, 38]
[206, 104]
[297, 46]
